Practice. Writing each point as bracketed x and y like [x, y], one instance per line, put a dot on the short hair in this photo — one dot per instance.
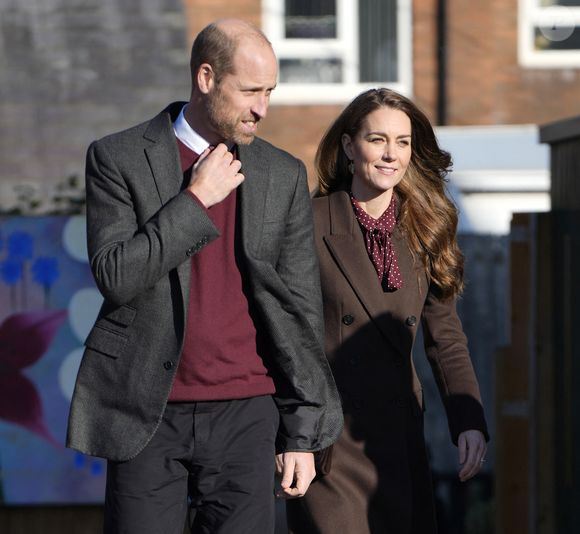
[216, 46]
[213, 46]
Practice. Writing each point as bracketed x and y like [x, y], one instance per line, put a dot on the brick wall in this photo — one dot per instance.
[425, 55]
[77, 71]
[298, 129]
[486, 84]
[199, 13]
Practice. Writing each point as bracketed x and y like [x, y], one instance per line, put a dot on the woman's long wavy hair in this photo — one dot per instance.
[427, 217]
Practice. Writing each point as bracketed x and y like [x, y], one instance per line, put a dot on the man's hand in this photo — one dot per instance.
[297, 471]
[215, 175]
[472, 447]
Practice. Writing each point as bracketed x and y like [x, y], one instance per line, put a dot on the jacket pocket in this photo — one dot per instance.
[120, 315]
[106, 341]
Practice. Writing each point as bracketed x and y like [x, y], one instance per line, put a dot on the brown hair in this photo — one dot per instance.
[427, 217]
[217, 43]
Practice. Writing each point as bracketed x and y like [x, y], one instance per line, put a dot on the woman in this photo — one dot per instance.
[386, 239]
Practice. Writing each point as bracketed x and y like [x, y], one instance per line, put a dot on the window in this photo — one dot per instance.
[330, 50]
[549, 33]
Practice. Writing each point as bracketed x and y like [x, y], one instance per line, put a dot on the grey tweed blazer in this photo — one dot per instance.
[142, 229]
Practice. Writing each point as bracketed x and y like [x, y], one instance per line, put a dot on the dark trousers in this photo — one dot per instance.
[211, 463]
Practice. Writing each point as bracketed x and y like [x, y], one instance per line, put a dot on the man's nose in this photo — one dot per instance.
[260, 106]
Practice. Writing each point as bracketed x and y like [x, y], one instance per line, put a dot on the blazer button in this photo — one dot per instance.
[348, 320]
[168, 365]
[411, 320]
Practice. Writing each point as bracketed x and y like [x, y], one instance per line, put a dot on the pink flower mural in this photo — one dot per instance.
[24, 338]
[48, 303]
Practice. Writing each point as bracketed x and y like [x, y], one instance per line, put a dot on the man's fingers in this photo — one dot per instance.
[279, 464]
[302, 483]
[287, 472]
[297, 473]
[216, 174]
[202, 156]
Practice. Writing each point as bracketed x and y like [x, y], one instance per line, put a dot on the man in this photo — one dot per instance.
[206, 356]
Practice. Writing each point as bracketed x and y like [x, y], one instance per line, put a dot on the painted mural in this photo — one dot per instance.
[48, 303]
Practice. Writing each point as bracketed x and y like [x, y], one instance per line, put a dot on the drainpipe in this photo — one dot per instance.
[441, 62]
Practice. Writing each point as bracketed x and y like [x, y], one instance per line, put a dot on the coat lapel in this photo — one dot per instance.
[163, 156]
[164, 162]
[347, 247]
[252, 194]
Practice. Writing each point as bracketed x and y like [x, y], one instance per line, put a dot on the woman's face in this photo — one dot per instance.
[380, 152]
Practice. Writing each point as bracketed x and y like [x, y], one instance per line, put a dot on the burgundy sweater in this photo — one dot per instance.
[219, 360]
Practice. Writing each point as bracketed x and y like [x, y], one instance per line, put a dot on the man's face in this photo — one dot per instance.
[240, 100]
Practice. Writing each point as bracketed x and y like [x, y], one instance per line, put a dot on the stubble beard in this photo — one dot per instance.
[226, 126]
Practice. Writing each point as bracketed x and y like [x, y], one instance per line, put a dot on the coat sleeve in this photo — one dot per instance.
[128, 256]
[297, 263]
[448, 355]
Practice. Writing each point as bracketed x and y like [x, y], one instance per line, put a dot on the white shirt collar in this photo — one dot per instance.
[187, 135]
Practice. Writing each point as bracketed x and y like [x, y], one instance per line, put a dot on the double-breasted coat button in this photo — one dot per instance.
[411, 320]
[348, 319]
[168, 365]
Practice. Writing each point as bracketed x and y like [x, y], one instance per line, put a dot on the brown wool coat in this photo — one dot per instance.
[380, 480]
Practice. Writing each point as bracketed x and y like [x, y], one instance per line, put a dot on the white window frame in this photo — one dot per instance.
[530, 16]
[345, 47]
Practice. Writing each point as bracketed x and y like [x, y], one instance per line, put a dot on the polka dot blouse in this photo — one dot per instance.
[377, 235]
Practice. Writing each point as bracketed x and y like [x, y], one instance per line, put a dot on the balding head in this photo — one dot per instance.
[216, 45]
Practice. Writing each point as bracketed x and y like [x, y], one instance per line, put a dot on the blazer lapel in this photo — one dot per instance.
[347, 247]
[165, 165]
[163, 157]
[252, 195]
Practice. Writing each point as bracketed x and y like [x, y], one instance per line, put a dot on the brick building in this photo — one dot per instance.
[78, 70]
[463, 62]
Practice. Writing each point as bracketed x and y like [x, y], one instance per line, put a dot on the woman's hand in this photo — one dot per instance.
[472, 448]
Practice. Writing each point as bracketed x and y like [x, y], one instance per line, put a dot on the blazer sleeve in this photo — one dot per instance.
[310, 409]
[297, 263]
[127, 255]
[448, 355]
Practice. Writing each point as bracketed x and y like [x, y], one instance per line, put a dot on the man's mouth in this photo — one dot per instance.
[250, 125]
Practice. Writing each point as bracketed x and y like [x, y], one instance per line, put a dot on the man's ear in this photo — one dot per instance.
[205, 78]
[347, 145]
